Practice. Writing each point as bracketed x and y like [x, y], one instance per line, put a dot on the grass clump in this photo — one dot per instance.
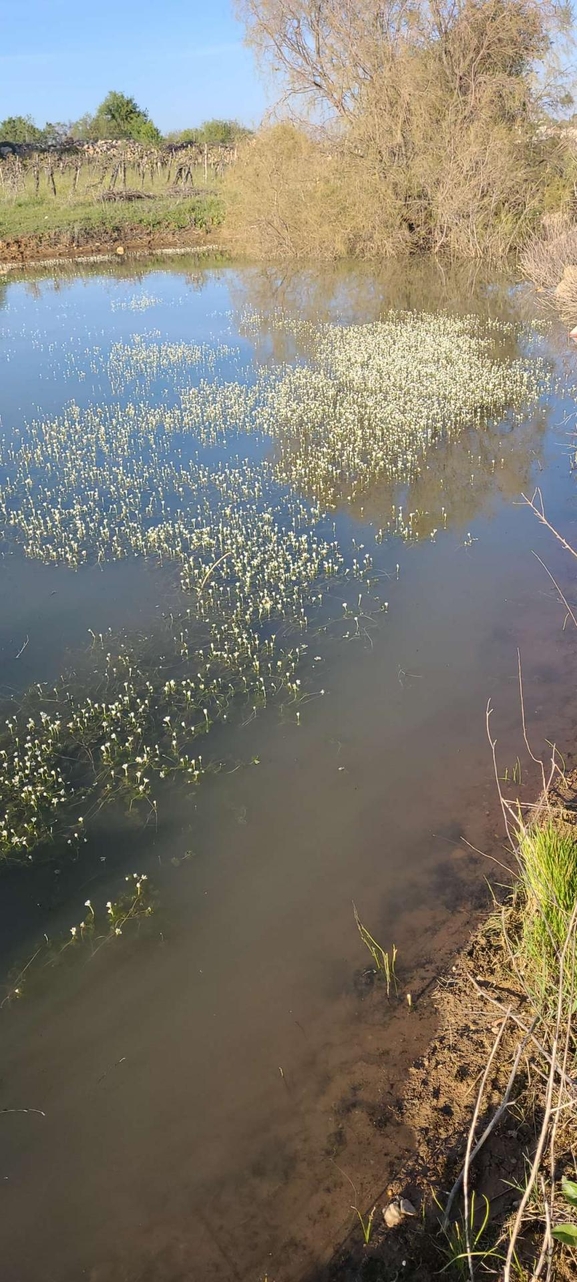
[384, 963]
[548, 868]
[462, 1246]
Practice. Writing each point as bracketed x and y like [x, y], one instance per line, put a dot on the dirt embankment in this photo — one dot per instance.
[89, 244]
[479, 1089]
[436, 1107]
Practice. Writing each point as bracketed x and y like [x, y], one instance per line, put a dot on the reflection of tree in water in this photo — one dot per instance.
[461, 479]
[461, 472]
[345, 293]
[194, 271]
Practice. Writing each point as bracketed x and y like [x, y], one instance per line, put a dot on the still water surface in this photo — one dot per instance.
[204, 1081]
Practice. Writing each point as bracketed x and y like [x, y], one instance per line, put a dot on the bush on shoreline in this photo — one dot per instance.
[438, 139]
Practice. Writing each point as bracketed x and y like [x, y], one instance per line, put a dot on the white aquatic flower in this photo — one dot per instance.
[252, 539]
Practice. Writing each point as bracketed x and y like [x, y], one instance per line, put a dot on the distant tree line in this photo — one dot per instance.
[23, 129]
[224, 133]
[118, 116]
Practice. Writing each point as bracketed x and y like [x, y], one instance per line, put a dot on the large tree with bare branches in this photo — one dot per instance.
[436, 135]
[328, 50]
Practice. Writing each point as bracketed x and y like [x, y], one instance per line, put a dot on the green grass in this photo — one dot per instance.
[384, 965]
[460, 1248]
[548, 861]
[42, 216]
[37, 203]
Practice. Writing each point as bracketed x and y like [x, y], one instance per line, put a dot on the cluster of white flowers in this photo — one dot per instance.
[146, 361]
[252, 530]
[136, 303]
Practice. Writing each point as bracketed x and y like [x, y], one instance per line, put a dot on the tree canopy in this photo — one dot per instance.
[327, 53]
[433, 126]
[118, 116]
[214, 132]
[20, 129]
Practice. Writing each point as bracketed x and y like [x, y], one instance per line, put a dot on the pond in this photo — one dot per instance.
[265, 561]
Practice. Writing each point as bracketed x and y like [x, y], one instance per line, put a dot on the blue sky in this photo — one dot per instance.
[182, 59]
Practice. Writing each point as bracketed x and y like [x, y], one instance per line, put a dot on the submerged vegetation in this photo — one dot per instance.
[234, 481]
[98, 927]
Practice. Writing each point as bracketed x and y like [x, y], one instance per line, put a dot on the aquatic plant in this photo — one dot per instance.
[235, 482]
[145, 361]
[137, 303]
[96, 928]
[375, 399]
[113, 480]
[384, 964]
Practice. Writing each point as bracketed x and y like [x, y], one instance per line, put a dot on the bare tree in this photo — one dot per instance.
[440, 142]
[327, 51]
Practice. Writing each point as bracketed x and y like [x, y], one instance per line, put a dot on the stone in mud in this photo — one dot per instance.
[396, 1211]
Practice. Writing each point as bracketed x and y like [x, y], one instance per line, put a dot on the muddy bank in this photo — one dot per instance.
[478, 1011]
[436, 1106]
[93, 244]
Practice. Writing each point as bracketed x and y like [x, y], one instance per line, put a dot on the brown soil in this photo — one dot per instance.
[436, 1109]
[90, 244]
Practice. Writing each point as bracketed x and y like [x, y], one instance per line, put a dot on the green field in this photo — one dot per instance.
[79, 204]
[37, 216]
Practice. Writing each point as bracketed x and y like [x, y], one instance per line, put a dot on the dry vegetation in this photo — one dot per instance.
[550, 261]
[435, 137]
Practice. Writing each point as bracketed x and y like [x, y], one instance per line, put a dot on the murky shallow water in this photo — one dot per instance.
[205, 1081]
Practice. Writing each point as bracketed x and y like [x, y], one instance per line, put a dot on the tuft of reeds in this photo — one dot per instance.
[384, 962]
[547, 856]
